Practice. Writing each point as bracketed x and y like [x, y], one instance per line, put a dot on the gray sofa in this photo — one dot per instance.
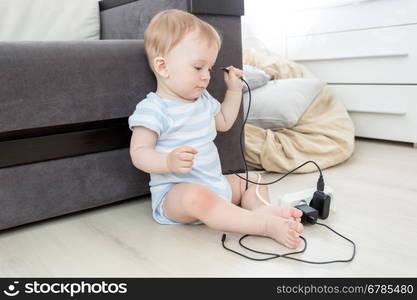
[64, 105]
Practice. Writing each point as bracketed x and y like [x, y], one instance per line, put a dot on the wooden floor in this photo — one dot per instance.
[375, 205]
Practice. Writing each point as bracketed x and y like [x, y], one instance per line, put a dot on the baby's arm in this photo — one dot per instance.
[231, 104]
[146, 158]
[143, 154]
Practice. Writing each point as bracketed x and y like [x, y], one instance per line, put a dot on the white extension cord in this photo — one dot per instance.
[257, 191]
[293, 199]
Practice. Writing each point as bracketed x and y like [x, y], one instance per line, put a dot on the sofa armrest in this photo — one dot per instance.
[129, 21]
[107, 4]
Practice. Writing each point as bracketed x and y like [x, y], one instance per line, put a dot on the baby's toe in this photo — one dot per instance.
[297, 226]
[293, 243]
[293, 234]
[296, 213]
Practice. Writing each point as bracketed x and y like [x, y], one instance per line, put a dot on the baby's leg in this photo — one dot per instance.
[186, 203]
[249, 199]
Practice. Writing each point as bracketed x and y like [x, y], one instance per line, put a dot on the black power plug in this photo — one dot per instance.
[227, 71]
[310, 214]
[321, 202]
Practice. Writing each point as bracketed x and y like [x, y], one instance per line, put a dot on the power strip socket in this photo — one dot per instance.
[301, 197]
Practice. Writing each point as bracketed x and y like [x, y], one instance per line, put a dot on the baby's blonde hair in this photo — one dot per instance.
[169, 27]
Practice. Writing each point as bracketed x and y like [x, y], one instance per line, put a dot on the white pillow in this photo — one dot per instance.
[40, 20]
[255, 77]
[280, 103]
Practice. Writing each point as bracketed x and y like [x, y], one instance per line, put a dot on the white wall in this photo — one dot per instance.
[265, 22]
[264, 25]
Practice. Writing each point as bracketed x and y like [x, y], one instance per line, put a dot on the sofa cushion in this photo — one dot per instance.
[23, 20]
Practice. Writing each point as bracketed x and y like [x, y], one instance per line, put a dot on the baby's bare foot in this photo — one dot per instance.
[285, 231]
[284, 212]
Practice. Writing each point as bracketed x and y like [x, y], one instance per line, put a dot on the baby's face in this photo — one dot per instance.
[189, 64]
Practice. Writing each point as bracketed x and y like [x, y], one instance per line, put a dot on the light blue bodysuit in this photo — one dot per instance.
[178, 124]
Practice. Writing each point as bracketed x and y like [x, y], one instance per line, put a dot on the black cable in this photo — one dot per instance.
[320, 187]
[243, 154]
[242, 133]
[285, 175]
[287, 255]
[272, 255]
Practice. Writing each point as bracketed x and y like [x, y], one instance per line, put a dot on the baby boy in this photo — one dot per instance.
[173, 132]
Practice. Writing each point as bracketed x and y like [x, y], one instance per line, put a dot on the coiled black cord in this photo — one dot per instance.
[288, 255]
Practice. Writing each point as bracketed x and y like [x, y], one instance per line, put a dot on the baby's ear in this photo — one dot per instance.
[160, 66]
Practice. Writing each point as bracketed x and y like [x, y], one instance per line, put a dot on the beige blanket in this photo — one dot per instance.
[324, 133]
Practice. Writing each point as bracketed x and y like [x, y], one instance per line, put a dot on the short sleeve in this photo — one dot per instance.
[215, 105]
[149, 115]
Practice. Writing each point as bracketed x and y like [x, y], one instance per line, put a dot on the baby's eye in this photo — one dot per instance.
[198, 68]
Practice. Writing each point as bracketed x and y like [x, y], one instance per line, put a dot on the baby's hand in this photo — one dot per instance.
[232, 79]
[180, 160]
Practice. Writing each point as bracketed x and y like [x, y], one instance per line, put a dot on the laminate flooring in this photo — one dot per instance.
[375, 205]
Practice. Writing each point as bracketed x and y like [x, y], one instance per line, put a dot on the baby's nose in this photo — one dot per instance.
[206, 76]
